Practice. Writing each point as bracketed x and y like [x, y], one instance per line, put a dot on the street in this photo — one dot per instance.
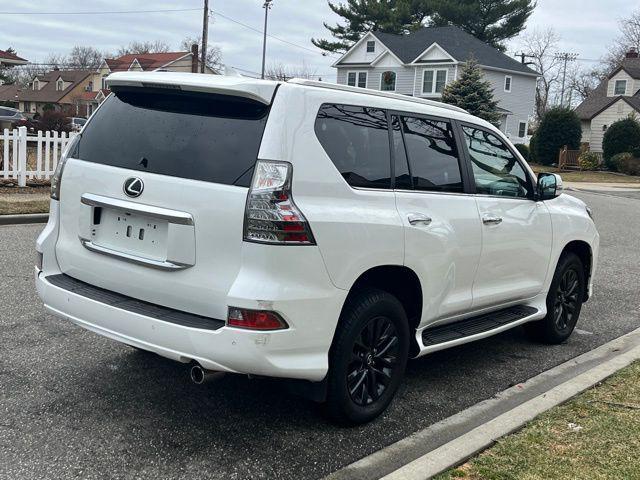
[76, 405]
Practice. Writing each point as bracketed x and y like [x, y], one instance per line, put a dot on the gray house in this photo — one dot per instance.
[421, 63]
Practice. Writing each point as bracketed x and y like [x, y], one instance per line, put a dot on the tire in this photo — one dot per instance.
[368, 357]
[564, 302]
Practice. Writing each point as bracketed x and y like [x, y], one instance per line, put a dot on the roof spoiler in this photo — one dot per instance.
[257, 90]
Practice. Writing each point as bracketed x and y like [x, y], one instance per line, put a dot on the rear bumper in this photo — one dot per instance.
[285, 353]
[301, 293]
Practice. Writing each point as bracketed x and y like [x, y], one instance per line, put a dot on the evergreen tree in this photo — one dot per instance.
[472, 93]
[361, 16]
[491, 21]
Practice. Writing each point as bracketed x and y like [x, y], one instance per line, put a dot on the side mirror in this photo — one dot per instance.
[549, 186]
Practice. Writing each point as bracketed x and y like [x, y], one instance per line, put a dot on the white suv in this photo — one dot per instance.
[315, 232]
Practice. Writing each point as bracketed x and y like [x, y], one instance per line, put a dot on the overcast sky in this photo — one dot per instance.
[586, 27]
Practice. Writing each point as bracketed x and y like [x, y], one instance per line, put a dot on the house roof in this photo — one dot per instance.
[11, 58]
[48, 92]
[459, 44]
[8, 93]
[598, 101]
[147, 61]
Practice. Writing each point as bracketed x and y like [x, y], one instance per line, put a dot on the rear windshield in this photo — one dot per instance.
[207, 137]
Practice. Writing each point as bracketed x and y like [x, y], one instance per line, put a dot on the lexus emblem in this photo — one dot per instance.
[133, 187]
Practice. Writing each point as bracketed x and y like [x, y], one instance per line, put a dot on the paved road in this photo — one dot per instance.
[75, 405]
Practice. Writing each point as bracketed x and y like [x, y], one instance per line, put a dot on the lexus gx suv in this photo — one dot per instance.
[318, 233]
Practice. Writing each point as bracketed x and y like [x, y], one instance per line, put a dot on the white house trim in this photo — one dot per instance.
[135, 62]
[433, 45]
[506, 70]
[382, 55]
[435, 71]
[504, 84]
[103, 64]
[358, 72]
[345, 54]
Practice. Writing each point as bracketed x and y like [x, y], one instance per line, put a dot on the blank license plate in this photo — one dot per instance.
[130, 233]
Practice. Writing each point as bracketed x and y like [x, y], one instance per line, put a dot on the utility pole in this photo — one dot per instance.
[266, 6]
[566, 57]
[205, 35]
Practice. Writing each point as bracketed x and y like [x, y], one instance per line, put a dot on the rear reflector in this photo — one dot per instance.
[255, 319]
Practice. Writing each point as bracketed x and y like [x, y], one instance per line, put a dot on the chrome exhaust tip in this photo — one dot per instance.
[199, 375]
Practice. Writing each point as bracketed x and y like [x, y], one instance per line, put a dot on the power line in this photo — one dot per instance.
[114, 12]
[324, 54]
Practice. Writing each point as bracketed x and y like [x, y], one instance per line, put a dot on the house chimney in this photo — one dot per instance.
[194, 58]
[632, 53]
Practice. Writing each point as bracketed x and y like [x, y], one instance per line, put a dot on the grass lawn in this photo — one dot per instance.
[594, 436]
[15, 203]
[585, 176]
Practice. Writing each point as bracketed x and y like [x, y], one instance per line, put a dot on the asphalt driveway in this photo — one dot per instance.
[76, 405]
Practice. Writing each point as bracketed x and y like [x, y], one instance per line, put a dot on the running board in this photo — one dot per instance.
[475, 328]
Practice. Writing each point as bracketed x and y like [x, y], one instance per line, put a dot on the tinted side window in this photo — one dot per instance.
[433, 156]
[495, 168]
[357, 142]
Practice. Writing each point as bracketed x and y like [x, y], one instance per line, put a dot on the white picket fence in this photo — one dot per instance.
[30, 156]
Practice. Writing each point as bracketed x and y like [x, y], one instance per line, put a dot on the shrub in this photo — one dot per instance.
[533, 158]
[52, 120]
[621, 136]
[629, 165]
[558, 127]
[613, 163]
[589, 161]
[524, 150]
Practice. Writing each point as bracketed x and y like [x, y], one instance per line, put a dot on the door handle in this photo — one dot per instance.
[491, 220]
[418, 219]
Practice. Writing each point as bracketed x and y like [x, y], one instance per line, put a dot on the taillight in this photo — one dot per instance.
[255, 319]
[57, 176]
[271, 216]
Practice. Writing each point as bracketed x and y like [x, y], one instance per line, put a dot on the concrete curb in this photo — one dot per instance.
[24, 219]
[453, 440]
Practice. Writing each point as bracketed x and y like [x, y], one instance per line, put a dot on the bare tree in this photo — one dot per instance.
[84, 57]
[629, 37]
[584, 81]
[214, 55]
[279, 71]
[156, 46]
[541, 47]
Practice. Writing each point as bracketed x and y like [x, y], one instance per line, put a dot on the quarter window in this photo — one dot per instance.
[388, 81]
[495, 169]
[403, 175]
[621, 87]
[356, 139]
[434, 81]
[433, 156]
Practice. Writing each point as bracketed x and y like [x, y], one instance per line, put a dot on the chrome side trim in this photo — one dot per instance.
[171, 216]
[159, 264]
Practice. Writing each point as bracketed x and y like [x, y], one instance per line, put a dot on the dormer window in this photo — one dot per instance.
[620, 88]
[36, 84]
[371, 47]
[59, 85]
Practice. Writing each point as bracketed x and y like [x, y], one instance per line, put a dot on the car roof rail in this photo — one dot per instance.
[375, 93]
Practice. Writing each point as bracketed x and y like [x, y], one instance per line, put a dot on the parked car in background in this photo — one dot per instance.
[77, 123]
[302, 230]
[10, 117]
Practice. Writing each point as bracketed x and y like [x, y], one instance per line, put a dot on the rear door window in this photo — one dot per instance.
[213, 138]
[356, 139]
[433, 154]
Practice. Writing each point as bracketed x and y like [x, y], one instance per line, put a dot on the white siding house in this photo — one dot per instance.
[617, 97]
[422, 63]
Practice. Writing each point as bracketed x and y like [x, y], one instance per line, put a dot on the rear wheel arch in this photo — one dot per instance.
[583, 250]
[399, 281]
